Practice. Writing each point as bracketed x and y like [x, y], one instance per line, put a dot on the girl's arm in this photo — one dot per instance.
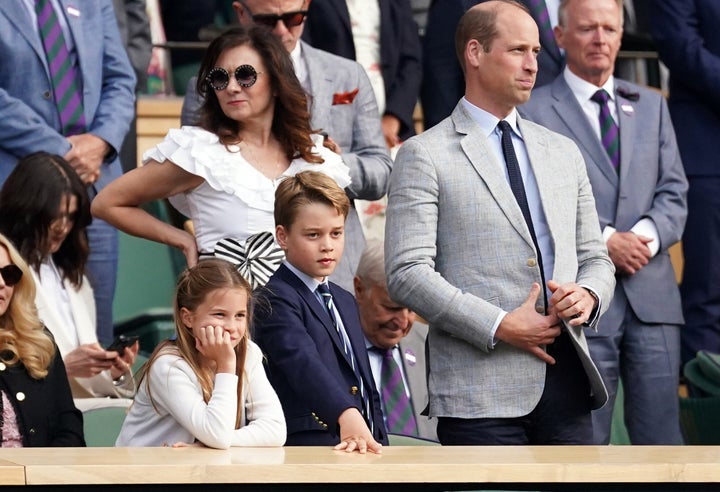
[263, 412]
[175, 388]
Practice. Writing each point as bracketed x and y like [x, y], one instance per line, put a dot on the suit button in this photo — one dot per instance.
[353, 390]
[47, 94]
[531, 262]
[2, 366]
[324, 426]
[540, 309]
[20, 396]
[32, 430]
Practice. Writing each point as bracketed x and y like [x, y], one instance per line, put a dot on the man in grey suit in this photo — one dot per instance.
[342, 104]
[642, 207]
[390, 330]
[469, 251]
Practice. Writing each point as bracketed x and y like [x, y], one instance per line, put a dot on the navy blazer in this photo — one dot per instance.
[328, 28]
[44, 407]
[306, 363]
[688, 40]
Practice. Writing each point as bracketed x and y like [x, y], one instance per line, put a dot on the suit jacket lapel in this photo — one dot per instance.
[315, 306]
[627, 122]
[482, 159]
[570, 112]
[321, 87]
[16, 13]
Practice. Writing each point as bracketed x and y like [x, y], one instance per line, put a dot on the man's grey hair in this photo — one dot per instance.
[371, 268]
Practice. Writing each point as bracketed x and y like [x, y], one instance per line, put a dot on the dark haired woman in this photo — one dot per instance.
[44, 210]
[254, 131]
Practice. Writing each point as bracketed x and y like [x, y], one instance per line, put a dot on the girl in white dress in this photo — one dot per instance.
[254, 131]
[208, 385]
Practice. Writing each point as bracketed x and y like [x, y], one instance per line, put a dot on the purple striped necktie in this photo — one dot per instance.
[398, 410]
[609, 131]
[542, 17]
[64, 75]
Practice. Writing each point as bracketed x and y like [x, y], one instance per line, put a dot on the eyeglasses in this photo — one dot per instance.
[11, 274]
[290, 19]
[219, 78]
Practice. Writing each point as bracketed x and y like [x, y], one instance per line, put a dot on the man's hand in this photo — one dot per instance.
[571, 302]
[355, 434]
[629, 251]
[391, 128]
[86, 155]
[527, 329]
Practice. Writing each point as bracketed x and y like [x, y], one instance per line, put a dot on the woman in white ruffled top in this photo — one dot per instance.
[254, 131]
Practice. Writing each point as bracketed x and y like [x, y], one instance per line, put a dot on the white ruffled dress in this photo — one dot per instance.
[236, 200]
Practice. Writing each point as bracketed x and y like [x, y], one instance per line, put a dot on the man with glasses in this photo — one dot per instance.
[342, 104]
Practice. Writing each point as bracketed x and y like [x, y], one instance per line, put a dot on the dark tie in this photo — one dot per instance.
[327, 298]
[64, 75]
[398, 410]
[517, 186]
[609, 131]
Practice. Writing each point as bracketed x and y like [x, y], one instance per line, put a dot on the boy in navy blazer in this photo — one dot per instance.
[309, 328]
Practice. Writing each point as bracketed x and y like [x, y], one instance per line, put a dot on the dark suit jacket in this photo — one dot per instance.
[45, 410]
[688, 39]
[306, 363]
[328, 28]
[443, 82]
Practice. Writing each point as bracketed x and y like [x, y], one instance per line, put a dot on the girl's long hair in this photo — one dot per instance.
[194, 285]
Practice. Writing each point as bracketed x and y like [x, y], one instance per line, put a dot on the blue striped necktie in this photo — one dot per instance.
[327, 298]
[609, 131]
[64, 75]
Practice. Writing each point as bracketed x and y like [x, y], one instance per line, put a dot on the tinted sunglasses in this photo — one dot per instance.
[11, 274]
[219, 78]
[290, 19]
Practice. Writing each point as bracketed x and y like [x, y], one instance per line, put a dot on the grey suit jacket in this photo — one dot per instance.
[458, 251]
[412, 348]
[354, 127]
[651, 184]
[30, 121]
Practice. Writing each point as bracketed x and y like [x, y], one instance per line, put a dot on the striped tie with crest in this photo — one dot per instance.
[64, 74]
[609, 131]
[398, 410]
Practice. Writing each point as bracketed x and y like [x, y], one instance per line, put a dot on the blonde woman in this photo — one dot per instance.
[36, 405]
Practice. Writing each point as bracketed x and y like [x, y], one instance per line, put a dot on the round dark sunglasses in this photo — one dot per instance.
[219, 78]
[11, 274]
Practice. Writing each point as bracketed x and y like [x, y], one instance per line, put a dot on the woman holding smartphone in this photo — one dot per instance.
[45, 210]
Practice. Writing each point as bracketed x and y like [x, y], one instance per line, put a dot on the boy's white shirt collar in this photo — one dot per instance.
[310, 282]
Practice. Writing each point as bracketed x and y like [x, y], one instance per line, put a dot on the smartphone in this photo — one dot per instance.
[121, 342]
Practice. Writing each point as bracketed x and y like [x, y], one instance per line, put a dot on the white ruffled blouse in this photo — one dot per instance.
[236, 200]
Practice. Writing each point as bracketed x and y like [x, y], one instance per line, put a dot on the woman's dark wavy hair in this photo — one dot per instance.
[29, 202]
[291, 119]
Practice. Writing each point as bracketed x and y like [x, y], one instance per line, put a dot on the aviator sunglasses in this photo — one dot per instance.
[11, 274]
[219, 78]
[290, 19]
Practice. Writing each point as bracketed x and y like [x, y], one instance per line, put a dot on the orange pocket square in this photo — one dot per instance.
[344, 97]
